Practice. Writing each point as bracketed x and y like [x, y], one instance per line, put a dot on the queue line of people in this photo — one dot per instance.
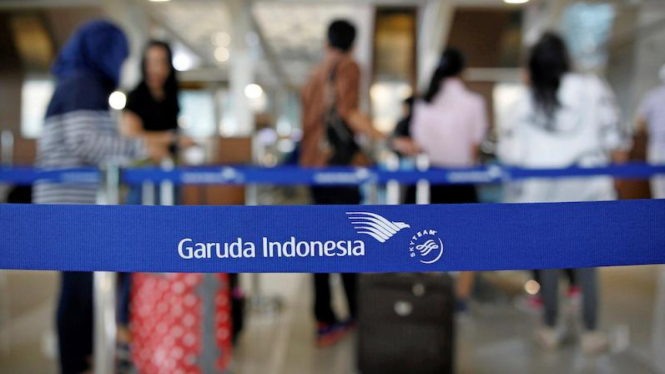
[563, 119]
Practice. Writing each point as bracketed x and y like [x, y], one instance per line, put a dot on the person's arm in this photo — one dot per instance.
[643, 114]
[615, 138]
[82, 135]
[400, 140]
[641, 125]
[348, 91]
[509, 132]
[405, 145]
[132, 127]
[620, 156]
[480, 127]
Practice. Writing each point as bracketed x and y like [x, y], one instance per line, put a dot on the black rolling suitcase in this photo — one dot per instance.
[405, 324]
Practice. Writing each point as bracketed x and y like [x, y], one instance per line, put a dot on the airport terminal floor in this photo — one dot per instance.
[495, 337]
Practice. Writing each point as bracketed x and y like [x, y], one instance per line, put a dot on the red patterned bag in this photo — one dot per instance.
[181, 323]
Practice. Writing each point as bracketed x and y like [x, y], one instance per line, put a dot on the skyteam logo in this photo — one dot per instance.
[425, 246]
[375, 225]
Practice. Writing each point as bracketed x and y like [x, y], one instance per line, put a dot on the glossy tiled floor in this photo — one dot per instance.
[495, 338]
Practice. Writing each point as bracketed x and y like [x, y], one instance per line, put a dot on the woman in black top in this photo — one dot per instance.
[151, 113]
[152, 107]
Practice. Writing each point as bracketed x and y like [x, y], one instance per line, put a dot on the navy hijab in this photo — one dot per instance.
[88, 68]
[99, 47]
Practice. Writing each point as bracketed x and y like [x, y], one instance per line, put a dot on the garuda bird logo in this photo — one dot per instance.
[375, 225]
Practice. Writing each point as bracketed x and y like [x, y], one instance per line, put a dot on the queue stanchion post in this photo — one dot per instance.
[423, 185]
[658, 331]
[105, 288]
[5, 315]
[259, 303]
[167, 187]
[148, 193]
[6, 147]
[6, 159]
[392, 186]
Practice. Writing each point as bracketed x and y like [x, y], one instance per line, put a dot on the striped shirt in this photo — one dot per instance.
[80, 132]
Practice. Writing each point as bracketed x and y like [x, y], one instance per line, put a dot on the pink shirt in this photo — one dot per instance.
[450, 126]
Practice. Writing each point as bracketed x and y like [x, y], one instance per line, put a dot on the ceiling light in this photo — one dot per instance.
[117, 100]
[222, 54]
[182, 61]
[253, 91]
[221, 39]
[515, 1]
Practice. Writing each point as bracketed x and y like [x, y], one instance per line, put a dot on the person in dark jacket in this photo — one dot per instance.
[333, 90]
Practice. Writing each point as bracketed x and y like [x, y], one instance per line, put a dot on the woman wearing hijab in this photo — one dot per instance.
[448, 125]
[565, 119]
[80, 131]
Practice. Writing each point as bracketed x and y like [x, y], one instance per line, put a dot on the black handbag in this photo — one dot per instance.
[339, 137]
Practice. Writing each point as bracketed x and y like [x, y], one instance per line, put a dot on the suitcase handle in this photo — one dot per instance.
[418, 289]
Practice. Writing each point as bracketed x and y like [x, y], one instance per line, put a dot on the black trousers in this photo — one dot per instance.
[453, 194]
[445, 194]
[75, 319]
[323, 311]
[74, 322]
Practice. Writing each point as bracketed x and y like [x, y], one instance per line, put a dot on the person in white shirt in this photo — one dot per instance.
[563, 119]
[651, 119]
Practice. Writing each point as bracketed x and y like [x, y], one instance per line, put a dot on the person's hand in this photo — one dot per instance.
[361, 123]
[619, 186]
[406, 146]
[157, 150]
[185, 142]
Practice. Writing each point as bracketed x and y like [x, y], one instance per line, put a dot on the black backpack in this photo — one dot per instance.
[340, 139]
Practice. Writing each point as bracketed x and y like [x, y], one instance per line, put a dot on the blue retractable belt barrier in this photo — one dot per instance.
[332, 238]
[27, 175]
[291, 175]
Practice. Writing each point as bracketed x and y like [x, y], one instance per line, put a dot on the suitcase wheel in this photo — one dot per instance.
[403, 308]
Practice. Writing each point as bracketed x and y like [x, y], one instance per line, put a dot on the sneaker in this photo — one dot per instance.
[594, 342]
[327, 334]
[461, 306]
[348, 325]
[548, 338]
[574, 292]
[574, 296]
[530, 304]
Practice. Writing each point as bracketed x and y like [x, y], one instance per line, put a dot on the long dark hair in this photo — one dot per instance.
[171, 83]
[452, 63]
[548, 63]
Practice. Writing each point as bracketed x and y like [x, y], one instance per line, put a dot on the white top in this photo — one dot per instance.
[586, 129]
[450, 126]
[652, 109]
